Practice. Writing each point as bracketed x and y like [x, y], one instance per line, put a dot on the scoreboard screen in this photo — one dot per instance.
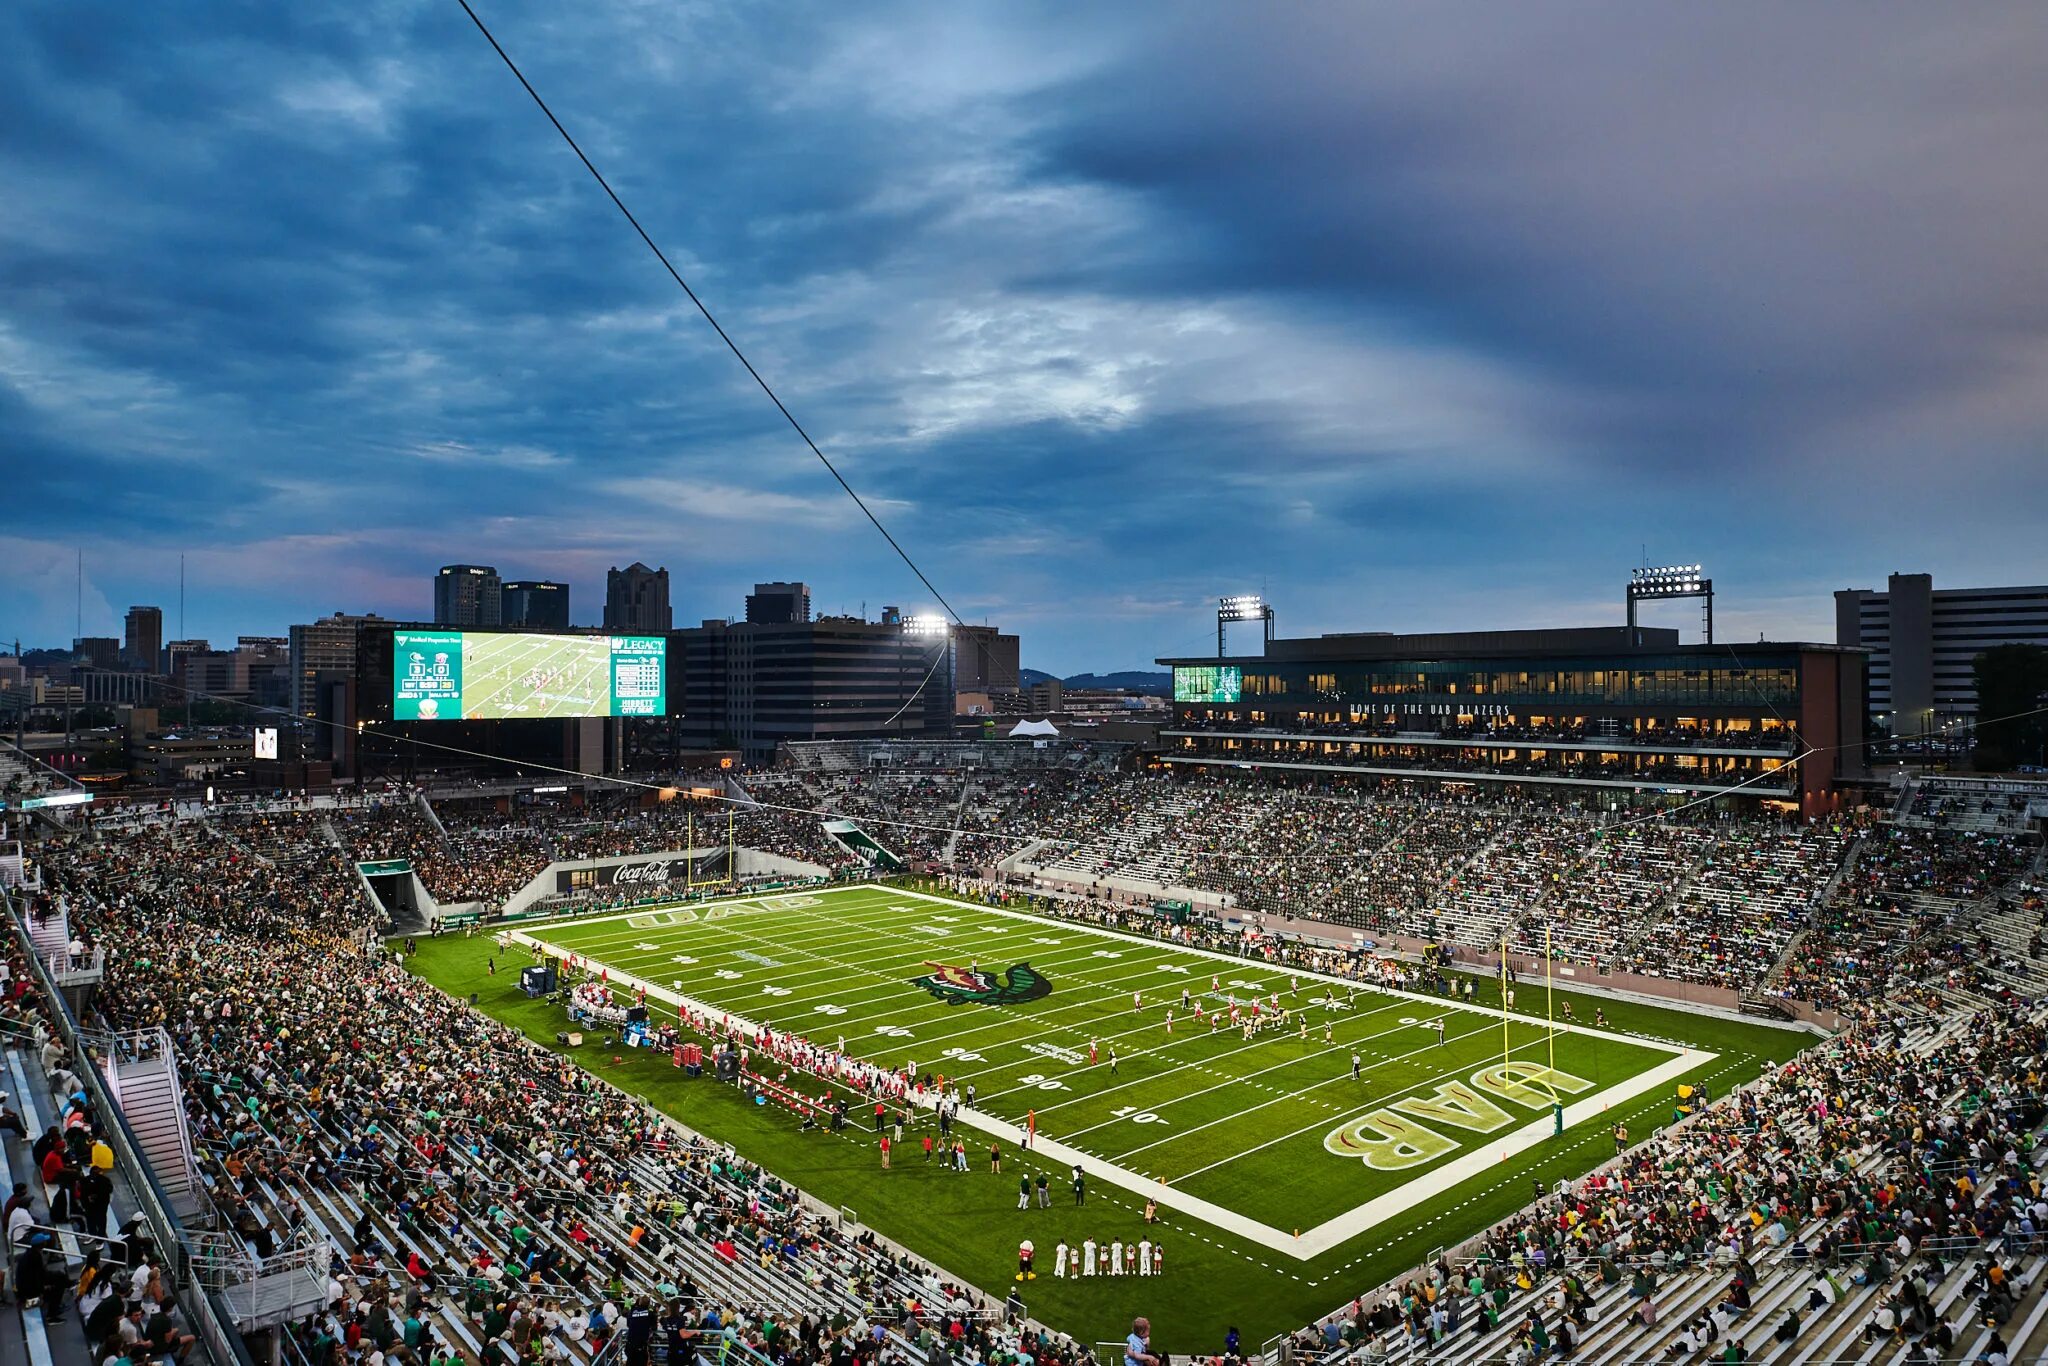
[515, 676]
[1208, 683]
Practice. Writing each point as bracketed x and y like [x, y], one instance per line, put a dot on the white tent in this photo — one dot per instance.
[1034, 728]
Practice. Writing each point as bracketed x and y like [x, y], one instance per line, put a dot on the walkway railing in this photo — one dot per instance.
[211, 1322]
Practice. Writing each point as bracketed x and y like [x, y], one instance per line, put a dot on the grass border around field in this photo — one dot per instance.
[968, 1225]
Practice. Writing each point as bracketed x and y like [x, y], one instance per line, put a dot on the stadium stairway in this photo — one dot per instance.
[967, 789]
[25, 1336]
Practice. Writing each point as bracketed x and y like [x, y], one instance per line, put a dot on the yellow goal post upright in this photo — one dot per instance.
[732, 864]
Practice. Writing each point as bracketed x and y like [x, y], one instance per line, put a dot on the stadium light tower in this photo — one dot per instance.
[1243, 607]
[1670, 581]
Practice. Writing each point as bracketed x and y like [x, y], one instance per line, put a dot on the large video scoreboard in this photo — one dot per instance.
[510, 676]
[1208, 683]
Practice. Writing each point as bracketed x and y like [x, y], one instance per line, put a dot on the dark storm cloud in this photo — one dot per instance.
[1417, 315]
[1741, 224]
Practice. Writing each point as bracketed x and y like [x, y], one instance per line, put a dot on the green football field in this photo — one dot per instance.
[535, 676]
[1267, 1157]
[1264, 1126]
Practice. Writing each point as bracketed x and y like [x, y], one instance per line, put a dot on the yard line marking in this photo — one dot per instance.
[1257, 1042]
[1111, 1171]
[1430, 1047]
[920, 1007]
[1139, 971]
[1246, 1077]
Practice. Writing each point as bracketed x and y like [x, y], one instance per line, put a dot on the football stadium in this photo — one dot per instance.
[987, 686]
[927, 1038]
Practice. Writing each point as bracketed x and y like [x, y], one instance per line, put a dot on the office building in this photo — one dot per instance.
[263, 670]
[323, 651]
[174, 660]
[539, 604]
[468, 595]
[752, 685]
[778, 604]
[636, 600]
[143, 640]
[1924, 642]
[119, 687]
[985, 661]
[1588, 715]
[101, 652]
[200, 674]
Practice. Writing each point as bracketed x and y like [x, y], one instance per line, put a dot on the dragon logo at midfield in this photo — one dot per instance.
[957, 986]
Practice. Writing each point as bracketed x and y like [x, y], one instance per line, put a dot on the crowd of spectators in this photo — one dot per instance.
[1888, 1158]
[122, 1289]
[1899, 862]
[1759, 884]
[475, 1188]
[1702, 898]
[1491, 732]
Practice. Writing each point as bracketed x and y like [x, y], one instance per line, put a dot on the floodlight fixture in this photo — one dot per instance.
[1242, 607]
[1656, 582]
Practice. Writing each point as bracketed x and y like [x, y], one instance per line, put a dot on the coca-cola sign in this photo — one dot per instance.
[652, 873]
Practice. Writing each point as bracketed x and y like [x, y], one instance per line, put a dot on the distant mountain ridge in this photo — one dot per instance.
[1130, 680]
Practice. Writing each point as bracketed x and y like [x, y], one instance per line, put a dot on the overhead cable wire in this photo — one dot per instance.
[697, 300]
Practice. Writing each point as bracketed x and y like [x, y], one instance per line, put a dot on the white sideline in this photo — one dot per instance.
[1312, 1242]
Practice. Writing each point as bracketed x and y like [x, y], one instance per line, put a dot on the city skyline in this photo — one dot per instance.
[1408, 322]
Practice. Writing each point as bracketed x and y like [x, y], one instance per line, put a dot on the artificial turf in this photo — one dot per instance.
[1240, 1125]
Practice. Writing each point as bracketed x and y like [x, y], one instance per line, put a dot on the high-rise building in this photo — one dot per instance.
[199, 674]
[263, 669]
[143, 644]
[752, 685]
[538, 603]
[467, 595]
[778, 604]
[1924, 642]
[985, 660]
[636, 599]
[101, 652]
[327, 646]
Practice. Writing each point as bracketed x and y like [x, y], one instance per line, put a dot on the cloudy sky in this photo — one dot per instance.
[1414, 316]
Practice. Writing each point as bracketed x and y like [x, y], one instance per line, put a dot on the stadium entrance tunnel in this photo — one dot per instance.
[863, 846]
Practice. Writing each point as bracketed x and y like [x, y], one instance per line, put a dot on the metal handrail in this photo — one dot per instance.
[214, 1325]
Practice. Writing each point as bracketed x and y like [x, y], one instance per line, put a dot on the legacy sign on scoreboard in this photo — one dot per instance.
[511, 676]
[1208, 683]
